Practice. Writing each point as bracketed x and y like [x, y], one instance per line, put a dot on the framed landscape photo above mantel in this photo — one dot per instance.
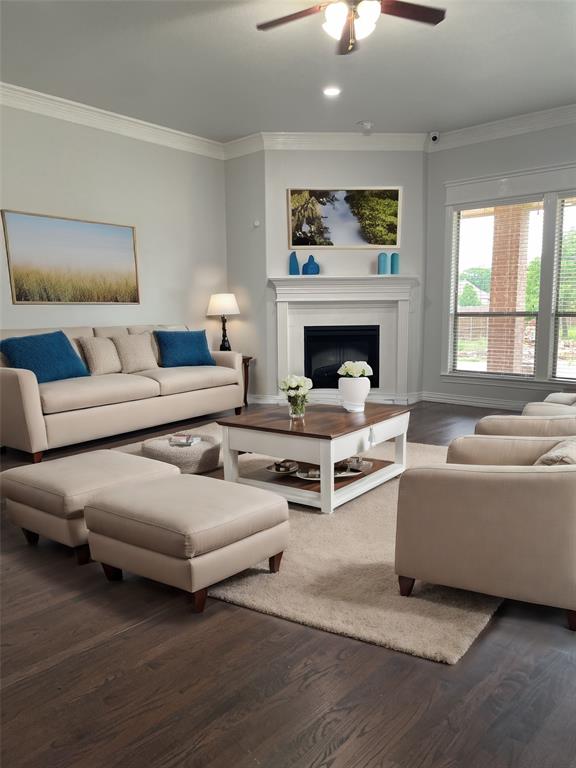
[350, 218]
[55, 260]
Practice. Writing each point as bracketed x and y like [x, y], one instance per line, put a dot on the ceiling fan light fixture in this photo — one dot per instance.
[369, 11]
[367, 14]
[335, 15]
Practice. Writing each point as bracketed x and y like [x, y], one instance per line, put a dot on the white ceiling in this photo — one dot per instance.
[200, 66]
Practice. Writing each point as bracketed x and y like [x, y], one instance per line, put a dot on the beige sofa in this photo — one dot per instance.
[35, 417]
[489, 521]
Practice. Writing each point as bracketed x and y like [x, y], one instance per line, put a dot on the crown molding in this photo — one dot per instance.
[92, 117]
[341, 142]
[327, 141]
[247, 145]
[501, 129]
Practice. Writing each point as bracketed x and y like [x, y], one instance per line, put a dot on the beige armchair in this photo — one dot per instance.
[556, 404]
[489, 521]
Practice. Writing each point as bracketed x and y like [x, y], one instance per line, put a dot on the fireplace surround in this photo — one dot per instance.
[385, 301]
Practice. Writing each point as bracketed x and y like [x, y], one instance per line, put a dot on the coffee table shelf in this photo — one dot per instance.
[328, 435]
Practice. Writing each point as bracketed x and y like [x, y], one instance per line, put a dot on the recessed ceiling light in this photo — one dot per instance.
[331, 91]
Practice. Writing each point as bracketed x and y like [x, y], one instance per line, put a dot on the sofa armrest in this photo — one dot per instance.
[22, 424]
[527, 426]
[499, 450]
[228, 360]
[504, 531]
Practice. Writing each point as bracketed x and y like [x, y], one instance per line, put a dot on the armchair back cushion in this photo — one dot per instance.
[50, 356]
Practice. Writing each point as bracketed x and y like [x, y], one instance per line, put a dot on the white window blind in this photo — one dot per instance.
[564, 365]
[496, 259]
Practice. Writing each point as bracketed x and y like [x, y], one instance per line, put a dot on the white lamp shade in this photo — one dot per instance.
[223, 304]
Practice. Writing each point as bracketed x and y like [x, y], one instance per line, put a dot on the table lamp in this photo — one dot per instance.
[223, 304]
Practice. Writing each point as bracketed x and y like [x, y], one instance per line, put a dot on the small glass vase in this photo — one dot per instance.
[297, 407]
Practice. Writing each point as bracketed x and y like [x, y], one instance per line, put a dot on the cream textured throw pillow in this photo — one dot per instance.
[100, 354]
[562, 453]
[135, 352]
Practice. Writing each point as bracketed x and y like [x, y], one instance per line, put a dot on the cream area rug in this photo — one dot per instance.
[338, 575]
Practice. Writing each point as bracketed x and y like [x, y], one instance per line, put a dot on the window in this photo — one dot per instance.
[496, 264]
[564, 366]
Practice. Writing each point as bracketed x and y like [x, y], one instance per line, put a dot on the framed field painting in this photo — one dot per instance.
[67, 261]
[344, 218]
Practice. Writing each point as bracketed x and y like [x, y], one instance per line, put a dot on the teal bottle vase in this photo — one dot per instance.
[395, 263]
[383, 264]
[311, 267]
[293, 266]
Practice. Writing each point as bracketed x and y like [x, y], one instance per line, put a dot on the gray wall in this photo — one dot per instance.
[175, 199]
[530, 150]
[245, 205]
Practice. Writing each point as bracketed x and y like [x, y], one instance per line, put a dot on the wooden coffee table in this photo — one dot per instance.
[328, 434]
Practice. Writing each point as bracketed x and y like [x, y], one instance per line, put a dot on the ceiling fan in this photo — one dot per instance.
[351, 20]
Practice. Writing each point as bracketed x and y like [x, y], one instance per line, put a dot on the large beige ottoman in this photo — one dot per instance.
[48, 499]
[187, 531]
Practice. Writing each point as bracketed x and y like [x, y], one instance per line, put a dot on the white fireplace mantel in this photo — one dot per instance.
[310, 296]
[344, 288]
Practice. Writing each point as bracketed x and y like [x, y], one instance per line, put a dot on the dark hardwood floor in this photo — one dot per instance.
[125, 676]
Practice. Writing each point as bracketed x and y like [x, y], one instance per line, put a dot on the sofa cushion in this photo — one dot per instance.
[135, 352]
[72, 394]
[178, 348]
[63, 487]
[50, 356]
[189, 378]
[183, 515]
[101, 355]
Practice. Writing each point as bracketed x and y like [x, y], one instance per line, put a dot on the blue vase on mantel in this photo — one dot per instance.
[293, 266]
[311, 267]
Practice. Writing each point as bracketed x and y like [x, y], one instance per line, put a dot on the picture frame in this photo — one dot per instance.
[62, 260]
[349, 218]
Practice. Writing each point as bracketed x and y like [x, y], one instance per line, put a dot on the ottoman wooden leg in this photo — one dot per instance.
[406, 585]
[111, 572]
[238, 411]
[571, 616]
[82, 554]
[274, 562]
[199, 600]
[36, 458]
[31, 537]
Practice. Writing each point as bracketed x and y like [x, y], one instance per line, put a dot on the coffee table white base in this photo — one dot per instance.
[319, 451]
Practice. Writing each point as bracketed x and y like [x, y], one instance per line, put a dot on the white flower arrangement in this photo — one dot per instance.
[355, 368]
[296, 386]
[296, 389]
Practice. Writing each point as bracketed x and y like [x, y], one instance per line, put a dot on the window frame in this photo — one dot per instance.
[545, 345]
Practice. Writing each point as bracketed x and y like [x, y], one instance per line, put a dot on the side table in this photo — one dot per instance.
[246, 360]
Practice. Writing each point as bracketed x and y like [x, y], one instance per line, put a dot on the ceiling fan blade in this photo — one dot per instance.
[412, 11]
[347, 42]
[291, 17]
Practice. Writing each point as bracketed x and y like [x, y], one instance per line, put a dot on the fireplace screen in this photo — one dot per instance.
[326, 347]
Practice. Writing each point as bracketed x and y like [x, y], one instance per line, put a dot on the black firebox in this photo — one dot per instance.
[326, 347]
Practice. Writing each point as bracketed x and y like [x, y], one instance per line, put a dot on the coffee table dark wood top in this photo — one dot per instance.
[321, 421]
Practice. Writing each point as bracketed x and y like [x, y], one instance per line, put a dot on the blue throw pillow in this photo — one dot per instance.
[183, 348]
[49, 355]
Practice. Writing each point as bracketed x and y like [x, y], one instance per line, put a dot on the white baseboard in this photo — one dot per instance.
[329, 396]
[479, 402]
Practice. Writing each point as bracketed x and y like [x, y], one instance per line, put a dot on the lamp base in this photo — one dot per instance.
[225, 343]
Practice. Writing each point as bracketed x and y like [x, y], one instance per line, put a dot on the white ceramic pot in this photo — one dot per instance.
[353, 392]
